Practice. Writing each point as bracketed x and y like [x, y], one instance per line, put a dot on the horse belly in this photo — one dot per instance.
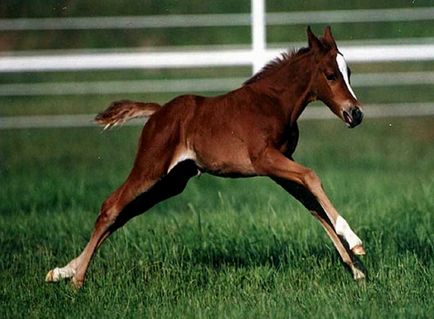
[227, 157]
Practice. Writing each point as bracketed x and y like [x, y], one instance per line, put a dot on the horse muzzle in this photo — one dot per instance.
[353, 116]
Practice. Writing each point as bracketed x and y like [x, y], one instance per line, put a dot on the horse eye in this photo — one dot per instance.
[331, 77]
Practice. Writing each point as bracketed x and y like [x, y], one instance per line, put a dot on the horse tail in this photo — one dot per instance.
[122, 111]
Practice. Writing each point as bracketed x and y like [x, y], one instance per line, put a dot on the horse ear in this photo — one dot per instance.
[328, 37]
[313, 41]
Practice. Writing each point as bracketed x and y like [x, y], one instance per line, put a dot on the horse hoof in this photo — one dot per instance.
[53, 275]
[358, 275]
[358, 250]
[50, 276]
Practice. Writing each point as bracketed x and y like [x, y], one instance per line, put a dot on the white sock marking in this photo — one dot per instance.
[344, 71]
[342, 228]
[64, 272]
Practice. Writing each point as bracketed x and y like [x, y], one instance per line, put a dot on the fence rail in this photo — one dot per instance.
[217, 20]
[190, 85]
[311, 113]
[153, 60]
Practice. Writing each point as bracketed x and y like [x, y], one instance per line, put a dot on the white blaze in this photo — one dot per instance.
[344, 71]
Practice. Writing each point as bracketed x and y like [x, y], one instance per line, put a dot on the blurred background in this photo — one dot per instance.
[75, 57]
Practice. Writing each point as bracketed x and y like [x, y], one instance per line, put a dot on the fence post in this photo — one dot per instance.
[258, 33]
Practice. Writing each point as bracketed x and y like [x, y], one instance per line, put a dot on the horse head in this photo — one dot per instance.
[331, 83]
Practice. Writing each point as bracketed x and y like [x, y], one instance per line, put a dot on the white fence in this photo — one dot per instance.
[218, 20]
[191, 85]
[313, 113]
[255, 56]
[190, 59]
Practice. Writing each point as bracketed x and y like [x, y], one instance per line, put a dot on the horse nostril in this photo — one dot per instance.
[357, 115]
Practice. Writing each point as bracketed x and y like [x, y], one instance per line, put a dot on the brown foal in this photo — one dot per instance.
[251, 131]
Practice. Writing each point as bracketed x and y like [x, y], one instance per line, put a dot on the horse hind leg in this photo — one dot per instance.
[125, 203]
[105, 225]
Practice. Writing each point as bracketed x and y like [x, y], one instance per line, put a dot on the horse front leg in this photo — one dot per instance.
[309, 201]
[274, 164]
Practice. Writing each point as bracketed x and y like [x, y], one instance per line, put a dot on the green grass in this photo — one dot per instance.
[224, 248]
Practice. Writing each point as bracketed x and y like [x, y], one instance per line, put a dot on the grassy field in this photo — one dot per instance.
[224, 248]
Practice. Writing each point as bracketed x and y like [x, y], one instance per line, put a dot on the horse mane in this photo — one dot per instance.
[276, 64]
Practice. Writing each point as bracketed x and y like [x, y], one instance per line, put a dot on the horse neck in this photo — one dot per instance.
[291, 86]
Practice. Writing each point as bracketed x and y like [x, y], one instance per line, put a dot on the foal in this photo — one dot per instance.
[251, 131]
